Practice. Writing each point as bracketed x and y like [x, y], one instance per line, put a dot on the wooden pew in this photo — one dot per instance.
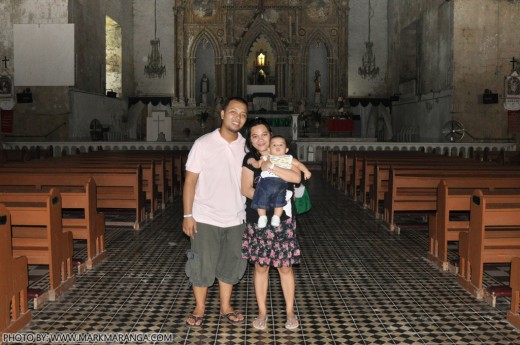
[493, 237]
[415, 190]
[151, 183]
[325, 162]
[117, 188]
[179, 164]
[328, 164]
[513, 315]
[375, 172]
[454, 195]
[14, 313]
[88, 225]
[36, 227]
[76, 195]
[164, 166]
[367, 173]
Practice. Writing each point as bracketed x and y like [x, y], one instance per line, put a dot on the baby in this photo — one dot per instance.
[271, 189]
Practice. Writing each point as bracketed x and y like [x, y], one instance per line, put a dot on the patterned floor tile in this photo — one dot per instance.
[357, 284]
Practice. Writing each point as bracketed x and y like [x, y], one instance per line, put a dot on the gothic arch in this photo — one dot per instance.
[257, 28]
[320, 36]
[332, 61]
[211, 38]
[203, 36]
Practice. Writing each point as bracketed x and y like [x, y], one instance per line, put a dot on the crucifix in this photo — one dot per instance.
[158, 120]
[514, 61]
[5, 61]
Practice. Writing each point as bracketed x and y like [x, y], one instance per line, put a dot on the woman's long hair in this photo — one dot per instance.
[250, 124]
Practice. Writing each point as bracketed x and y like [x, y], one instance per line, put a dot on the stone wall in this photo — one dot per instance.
[485, 41]
[442, 56]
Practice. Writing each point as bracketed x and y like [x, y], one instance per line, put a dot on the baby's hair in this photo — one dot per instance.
[280, 136]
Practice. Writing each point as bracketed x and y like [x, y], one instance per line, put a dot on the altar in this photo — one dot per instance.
[158, 127]
[262, 96]
[340, 126]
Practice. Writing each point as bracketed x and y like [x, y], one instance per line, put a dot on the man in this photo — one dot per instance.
[214, 212]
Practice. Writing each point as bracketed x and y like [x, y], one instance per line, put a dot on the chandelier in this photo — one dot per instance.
[155, 67]
[368, 67]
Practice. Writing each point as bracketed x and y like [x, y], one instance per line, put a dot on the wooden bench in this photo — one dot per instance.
[117, 188]
[165, 180]
[77, 196]
[415, 190]
[14, 313]
[154, 183]
[455, 196]
[88, 164]
[174, 164]
[179, 164]
[88, 224]
[493, 237]
[367, 180]
[375, 173]
[513, 315]
[37, 233]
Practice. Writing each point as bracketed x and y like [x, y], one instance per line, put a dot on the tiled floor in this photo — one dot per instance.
[357, 284]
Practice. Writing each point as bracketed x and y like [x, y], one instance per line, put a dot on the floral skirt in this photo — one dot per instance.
[271, 246]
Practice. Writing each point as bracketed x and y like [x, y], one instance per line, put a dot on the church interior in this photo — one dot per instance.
[107, 97]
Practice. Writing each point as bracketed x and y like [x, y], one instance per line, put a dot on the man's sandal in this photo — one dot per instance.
[194, 321]
[260, 323]
[232, 317]
[292, 323]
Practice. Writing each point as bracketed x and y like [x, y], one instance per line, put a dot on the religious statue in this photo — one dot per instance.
[301, 107]
[161, 137]
[5, 86]
[317, 81]
[218, 106]
[341, 104]
[204, 84]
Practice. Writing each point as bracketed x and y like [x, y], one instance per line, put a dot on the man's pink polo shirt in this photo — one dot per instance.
[218, 200]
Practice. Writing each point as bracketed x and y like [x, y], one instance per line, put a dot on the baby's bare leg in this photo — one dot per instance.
[278, 211]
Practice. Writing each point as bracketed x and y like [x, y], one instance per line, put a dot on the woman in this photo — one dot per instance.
[269, 246]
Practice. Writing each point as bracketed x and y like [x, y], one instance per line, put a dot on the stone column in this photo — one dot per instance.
[190, 83]
[178, 18]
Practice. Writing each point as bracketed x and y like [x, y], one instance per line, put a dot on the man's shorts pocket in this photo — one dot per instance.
[193, 267]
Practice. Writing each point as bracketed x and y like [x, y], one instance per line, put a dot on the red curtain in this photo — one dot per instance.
[7, 121]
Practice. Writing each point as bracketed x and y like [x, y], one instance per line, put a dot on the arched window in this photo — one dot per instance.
[113, 56]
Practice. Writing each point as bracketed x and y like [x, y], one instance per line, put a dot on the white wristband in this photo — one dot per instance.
[188, 215]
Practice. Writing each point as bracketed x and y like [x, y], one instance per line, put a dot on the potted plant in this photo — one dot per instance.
[315, 115]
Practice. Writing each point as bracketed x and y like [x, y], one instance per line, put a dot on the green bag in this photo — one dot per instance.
[302, 199]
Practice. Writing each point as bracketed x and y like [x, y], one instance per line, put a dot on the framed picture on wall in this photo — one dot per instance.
[512, 86]
[6, 86]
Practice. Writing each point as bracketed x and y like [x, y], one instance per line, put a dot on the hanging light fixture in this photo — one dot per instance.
[155, 68]
[368, 68]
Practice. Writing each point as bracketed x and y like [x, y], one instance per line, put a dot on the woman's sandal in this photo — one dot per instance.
[194, 321]
[260, 323]
[292, 323]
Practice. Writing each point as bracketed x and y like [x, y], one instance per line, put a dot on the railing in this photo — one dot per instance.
[309, 149]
